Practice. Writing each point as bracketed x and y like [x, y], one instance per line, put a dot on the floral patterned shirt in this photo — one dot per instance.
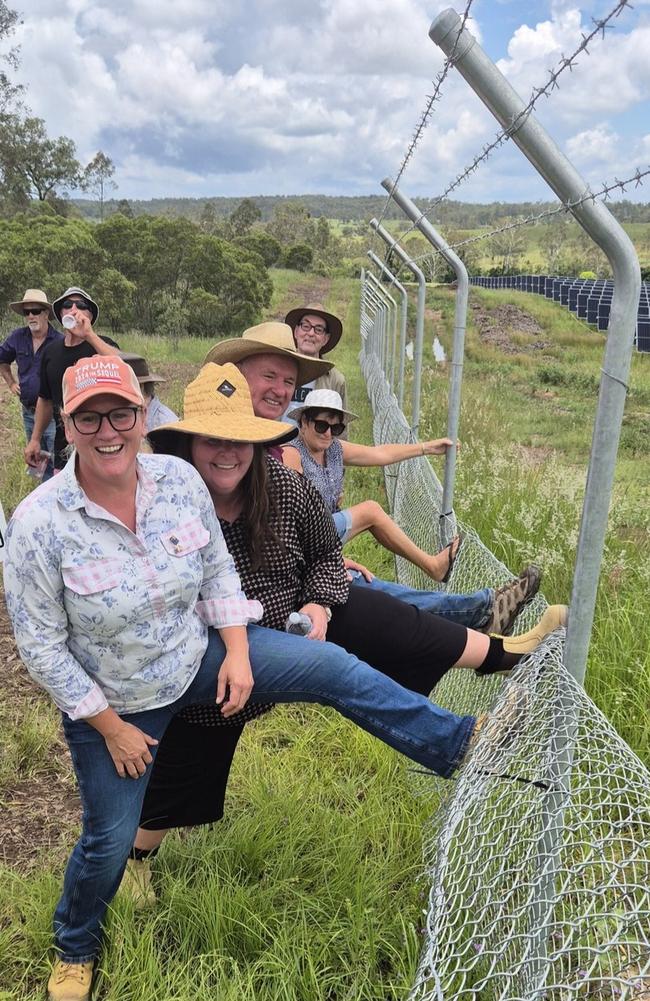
[104, 617]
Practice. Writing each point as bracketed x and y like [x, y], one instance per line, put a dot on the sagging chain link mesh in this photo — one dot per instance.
[538, 860]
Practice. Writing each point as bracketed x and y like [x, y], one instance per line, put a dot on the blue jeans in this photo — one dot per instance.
[47, 439]
[286, 668]
[471, 610]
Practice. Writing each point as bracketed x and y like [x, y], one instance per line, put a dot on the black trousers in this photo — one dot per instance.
[413, 647]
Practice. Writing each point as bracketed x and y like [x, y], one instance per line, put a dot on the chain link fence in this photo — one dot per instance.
[539, 858]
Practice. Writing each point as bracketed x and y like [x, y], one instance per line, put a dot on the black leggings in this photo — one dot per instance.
[413, 647]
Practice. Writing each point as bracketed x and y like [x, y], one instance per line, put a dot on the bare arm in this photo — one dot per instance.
[291, 458]
[42, 417]
[384, 455]
[8, 376]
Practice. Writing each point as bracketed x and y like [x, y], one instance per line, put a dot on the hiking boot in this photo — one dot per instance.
[511, 598]
[136, 884]
[503, 725]
[70, 981]
[555, 617]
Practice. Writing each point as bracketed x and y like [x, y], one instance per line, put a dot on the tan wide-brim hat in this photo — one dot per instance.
[334, 325]
[269, 338]
[32, 297]
[217, 404]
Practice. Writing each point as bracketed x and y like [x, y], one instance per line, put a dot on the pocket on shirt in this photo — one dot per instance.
[92, 577]
[187, 538]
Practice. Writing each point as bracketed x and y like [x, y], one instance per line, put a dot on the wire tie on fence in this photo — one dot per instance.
[615, 378]
[537, 783]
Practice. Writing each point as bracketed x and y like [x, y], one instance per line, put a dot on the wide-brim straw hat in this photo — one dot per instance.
[32, 297]
[140, 367]
[334, 325]
[218, 404]
[269, 338]
[322, 399]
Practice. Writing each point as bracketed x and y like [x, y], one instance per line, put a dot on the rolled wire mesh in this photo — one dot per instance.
[538, 860]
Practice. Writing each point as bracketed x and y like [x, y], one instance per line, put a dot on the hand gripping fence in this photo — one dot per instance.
[539, 857]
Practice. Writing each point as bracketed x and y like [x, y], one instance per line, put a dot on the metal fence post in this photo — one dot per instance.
[380, 307]
[399, 346]
[508, 108]
[392, 311]
[419, 322]
[458, 348]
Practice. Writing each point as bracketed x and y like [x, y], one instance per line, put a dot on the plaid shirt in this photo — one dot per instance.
[103, 617]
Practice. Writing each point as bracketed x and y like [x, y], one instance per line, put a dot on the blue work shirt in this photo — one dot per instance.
[19, 348]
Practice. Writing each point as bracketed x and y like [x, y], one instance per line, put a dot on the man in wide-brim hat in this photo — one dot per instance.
[157, 412]
[25, 346]
[315, 332]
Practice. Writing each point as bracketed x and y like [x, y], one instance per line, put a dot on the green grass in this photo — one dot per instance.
[309, 888]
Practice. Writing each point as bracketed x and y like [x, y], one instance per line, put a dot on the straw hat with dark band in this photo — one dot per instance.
[270, 338]
[218, 405]
[334, 325]
[32, 297]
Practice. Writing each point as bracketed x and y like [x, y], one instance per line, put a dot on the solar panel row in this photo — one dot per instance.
[590, 299]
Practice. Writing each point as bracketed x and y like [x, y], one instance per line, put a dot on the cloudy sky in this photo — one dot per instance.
[216, 97]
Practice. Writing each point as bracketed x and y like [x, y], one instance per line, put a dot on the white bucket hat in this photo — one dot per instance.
[321, 399]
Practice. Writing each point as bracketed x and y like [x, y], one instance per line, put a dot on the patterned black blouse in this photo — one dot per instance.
[307, 568]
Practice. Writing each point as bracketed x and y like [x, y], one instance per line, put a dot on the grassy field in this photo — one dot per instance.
[308, 890]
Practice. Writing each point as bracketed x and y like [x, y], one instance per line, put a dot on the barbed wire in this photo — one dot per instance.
[636, 179]
[426, 114]
[566, 62]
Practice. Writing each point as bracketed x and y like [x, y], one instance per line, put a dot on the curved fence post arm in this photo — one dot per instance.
[400, 347]
[392, 310]
[505, 104]
[419, 322]
[458, 348]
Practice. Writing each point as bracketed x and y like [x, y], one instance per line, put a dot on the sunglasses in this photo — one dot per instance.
[90, 421]
[33, 310]
[322, 427]
[79, 303]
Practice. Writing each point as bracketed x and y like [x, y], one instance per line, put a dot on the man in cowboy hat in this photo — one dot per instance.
[157, 412]
[80, 341]
[315, 332]
[25, 346]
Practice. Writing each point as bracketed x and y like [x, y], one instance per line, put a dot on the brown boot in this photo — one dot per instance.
[511, 598]
[70, 981]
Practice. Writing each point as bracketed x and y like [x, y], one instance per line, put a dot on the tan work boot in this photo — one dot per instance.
[70, 981]
[137, 885]
[553, 618]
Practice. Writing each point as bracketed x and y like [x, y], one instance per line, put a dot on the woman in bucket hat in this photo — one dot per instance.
[288, 556]
[129, 609]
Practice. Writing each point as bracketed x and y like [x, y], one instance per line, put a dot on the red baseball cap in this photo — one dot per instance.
[96, 375]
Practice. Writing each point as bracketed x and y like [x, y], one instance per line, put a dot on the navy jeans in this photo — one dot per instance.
[470, 610]
[286, 668]
[47, 439]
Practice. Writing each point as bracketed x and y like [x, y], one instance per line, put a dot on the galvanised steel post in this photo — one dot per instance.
[419, 323]
[379, 305]
[448, 521]
[399, 348]
[391, 310]
[508, 108]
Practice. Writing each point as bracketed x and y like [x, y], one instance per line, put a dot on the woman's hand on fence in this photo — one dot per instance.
[438, 446]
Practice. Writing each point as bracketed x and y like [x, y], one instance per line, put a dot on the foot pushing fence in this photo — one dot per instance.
[539, 859]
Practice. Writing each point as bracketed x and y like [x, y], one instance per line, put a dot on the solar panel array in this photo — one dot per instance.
[590, 299]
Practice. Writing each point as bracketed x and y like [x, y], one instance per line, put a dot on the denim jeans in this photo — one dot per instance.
[286, 668]
[471, 610]
[47, 439]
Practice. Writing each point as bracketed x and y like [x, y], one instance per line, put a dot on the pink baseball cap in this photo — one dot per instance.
[96, 375]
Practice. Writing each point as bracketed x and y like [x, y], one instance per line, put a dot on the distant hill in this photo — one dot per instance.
[354, 208]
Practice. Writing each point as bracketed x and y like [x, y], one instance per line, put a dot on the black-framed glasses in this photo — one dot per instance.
[322, 427]
[120, 419]
[34, 310]
[318, 328]
[79, 303]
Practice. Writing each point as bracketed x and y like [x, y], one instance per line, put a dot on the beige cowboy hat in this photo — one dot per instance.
[271, 338]
[334, 325]
[322, 399]
[218, 404]
[32, 297]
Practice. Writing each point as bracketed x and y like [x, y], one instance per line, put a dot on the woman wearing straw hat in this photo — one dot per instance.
[114, 572]
[288, 556]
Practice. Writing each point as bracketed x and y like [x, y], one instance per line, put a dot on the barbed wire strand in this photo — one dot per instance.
[566, 62]
[426, 114]
[636, 179]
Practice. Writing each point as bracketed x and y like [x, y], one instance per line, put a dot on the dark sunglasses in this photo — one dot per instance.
[79, 303]
[323, 426]
[34, 310]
